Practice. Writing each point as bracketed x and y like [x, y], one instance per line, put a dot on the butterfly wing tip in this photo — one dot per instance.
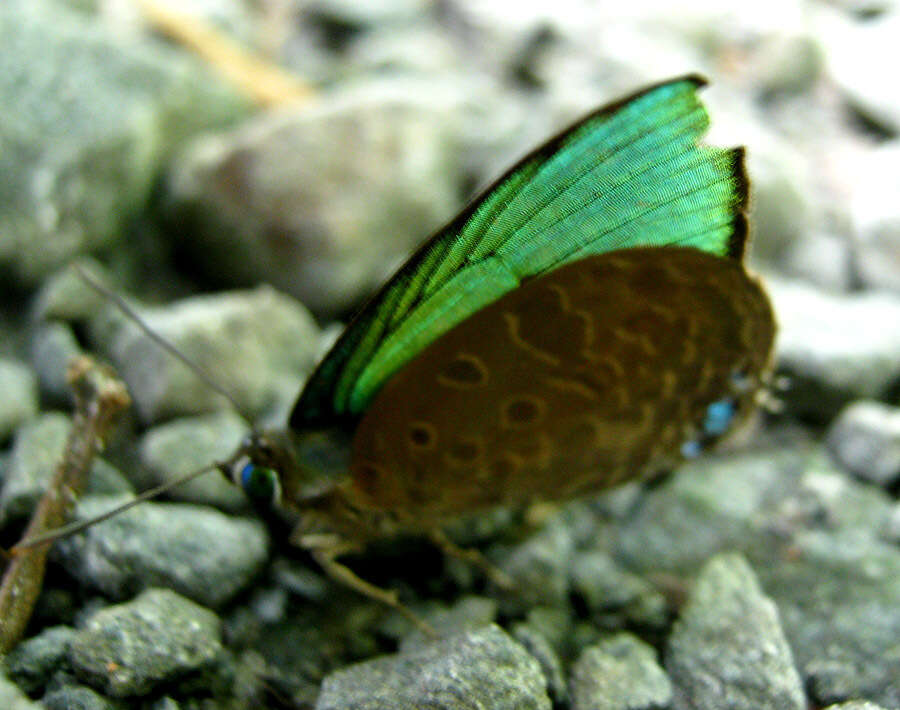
[697, 80]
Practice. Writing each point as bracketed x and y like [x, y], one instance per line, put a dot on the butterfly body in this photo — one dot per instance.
[585, 322]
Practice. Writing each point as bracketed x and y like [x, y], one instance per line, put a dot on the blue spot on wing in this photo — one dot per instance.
[719, 416]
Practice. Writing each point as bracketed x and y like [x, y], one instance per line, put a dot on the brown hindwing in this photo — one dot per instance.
[599, 372]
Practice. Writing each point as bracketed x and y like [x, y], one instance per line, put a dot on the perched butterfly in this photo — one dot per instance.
[586, 321]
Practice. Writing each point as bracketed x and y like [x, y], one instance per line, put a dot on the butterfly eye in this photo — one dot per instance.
[260, 484]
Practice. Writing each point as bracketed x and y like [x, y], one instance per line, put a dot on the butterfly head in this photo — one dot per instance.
[280, 469]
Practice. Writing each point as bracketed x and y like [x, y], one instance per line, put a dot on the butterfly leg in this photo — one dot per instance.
[326, 557]
[473, 557]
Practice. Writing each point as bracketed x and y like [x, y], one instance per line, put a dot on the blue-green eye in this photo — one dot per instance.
[260, 483]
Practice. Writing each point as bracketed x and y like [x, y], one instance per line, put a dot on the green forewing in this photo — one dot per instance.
[631, 174]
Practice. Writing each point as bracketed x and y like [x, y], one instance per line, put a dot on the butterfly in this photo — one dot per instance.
[586, 321]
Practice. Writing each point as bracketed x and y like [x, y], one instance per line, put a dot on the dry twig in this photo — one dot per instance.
[99, 398]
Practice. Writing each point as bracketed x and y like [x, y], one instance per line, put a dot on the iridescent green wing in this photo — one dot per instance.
[631, 174]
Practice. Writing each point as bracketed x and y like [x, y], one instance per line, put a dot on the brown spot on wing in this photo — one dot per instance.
[464, 371]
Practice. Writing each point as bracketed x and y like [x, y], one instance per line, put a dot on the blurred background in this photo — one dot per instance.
[118, 136]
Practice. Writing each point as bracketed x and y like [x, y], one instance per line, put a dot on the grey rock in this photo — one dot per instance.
[855, 705]
[865, 439]
[835, 348]
[194, 550]
[35, 660]
[476, 669]
[130, 649]
[610, 591]
[53, 346]
[876, 217]
[840, 607]
[12, 698]
[289, 199]
[173, 449]
[551, 664]
[76, 697]
[620, 673]
[36, 453]
[257, 344]
[66, 296]
[19, 398]
[728, 648]
[553, 623]
[540, 566]
[89, 118]
[827, 498]
[707, 506]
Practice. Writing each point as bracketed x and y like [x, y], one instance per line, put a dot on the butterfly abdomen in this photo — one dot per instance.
[606, 369]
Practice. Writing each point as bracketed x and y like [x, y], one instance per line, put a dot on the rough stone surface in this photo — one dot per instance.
[840, 607]
[257, 344]
[194, 550]
[33, 662]
[476, 669]
[18, 396]
[620, 673]
[865, 439]
[728, 648]
[129, 649]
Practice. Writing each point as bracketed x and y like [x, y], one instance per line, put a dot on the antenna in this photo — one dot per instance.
[72, 528]
[132, 315]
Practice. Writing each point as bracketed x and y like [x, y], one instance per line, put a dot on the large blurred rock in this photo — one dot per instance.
[87, 119]
[321, 200]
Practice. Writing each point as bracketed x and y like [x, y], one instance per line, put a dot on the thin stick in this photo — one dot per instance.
[133, 316]
[99, 397]
[262, 81]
